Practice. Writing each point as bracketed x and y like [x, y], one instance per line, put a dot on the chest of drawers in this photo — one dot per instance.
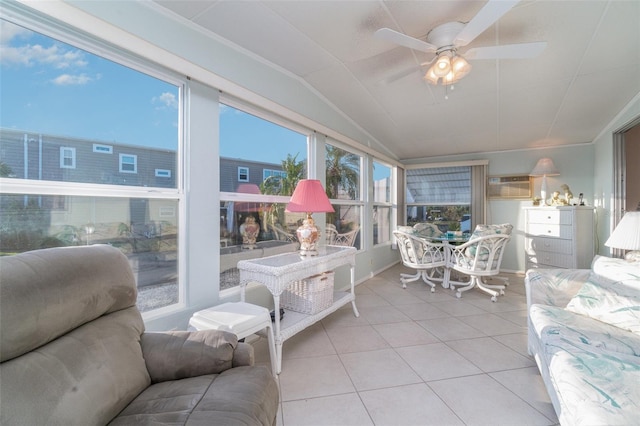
[559, 237]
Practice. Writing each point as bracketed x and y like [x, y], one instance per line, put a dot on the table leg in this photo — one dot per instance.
[276, 333]
[353, 302]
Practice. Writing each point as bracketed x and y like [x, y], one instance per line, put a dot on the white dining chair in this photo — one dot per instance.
[478, 258]
[429, 259]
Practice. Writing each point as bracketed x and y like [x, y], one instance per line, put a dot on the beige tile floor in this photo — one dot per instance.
[414, 358]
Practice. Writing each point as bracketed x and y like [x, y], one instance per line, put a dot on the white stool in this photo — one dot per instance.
[239, 318]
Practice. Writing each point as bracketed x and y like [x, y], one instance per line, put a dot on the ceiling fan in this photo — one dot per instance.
[445, 40]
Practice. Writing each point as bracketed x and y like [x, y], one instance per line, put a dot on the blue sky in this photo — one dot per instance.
[53, 88]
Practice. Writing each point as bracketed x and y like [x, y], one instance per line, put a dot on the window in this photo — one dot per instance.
[343, 170]
[163, 173]
[382, 207]
[128, 163]
[102, 149]
[243, 174]
[67, 158]
[452, 197]
[269, 156]
[276, 173]
[76, 100]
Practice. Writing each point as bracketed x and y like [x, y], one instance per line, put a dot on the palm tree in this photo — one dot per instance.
[5, 170]
[284, 185]
[343, 172]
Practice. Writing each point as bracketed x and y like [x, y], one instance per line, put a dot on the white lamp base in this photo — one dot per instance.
[543, 190]
[308, 237]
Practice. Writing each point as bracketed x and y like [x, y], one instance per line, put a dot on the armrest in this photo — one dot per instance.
[179, 354]
[554, 287]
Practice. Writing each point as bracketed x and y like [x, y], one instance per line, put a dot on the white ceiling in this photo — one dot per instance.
[588, 72]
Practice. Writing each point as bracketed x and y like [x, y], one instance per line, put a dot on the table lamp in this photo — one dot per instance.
[544, 168]
[309, 197]
[626, 236]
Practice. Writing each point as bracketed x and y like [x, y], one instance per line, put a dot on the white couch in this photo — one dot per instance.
[584, 332]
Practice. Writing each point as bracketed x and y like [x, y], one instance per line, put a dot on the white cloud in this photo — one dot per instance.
[166, 99]
[14, 52]
[72, 80]
[9, 31]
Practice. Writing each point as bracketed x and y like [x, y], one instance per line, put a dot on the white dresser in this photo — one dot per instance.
[559, 237]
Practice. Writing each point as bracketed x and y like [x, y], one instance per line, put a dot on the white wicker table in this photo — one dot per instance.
[279, 271]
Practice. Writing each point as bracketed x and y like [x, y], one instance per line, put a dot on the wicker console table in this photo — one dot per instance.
[280, 271]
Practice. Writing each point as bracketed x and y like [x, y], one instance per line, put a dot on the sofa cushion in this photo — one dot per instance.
[239, 396]
[615, 269]
[613, 302]
[593, 367]
[552, 324]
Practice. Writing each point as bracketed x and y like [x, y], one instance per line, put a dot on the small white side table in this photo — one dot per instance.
[239, 318]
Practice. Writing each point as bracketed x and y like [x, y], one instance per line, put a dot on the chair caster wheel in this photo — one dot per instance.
[458, 295]
[501, 292]
[494, 299]
[433, 289]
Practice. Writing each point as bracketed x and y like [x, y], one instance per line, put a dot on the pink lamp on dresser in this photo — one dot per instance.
[309, 197]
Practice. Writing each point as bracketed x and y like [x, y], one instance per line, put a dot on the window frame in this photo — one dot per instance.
[243, 171]
[50, 27]
[63, 151]
[121, 163]
[108, 149]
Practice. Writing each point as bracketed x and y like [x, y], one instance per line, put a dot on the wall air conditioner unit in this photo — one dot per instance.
[510, 187]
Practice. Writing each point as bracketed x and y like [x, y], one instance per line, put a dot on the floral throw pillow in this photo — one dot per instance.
[482, 230]
[613, 302]
[426, 230]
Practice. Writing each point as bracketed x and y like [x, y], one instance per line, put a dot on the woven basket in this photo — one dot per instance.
[310, 295]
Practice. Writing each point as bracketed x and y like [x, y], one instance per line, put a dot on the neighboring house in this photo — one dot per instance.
[235, 171]
[59, 158]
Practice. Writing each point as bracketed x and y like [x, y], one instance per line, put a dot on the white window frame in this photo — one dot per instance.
[121, 163]
[388, 203]
[102, 149]
[64, 150]
[164, 173]
[240, 173]
[24, 16]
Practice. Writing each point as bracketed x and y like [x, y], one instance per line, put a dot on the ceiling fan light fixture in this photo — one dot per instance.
[442, 66]
[431, 77]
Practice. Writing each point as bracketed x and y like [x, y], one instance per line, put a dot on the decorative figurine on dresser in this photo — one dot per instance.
[559, 236]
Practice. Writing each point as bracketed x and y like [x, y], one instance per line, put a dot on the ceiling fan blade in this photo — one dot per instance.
[507, 51]
[404, 40]
[404, 73]
[488, 15]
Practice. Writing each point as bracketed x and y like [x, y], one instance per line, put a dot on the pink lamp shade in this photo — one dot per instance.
[309, 197]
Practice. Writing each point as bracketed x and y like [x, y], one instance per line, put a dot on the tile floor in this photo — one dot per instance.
[414, 358]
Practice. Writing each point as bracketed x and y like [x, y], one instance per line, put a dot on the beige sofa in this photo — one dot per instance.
[74, 352]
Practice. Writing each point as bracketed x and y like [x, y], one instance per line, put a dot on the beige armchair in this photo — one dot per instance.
[74, 352]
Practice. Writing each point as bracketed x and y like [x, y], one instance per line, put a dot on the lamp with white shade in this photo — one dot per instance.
[309, 197]
[626, 236]
[544, 167]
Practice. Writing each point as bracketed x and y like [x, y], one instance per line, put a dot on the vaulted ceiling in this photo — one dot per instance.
[588, 72]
